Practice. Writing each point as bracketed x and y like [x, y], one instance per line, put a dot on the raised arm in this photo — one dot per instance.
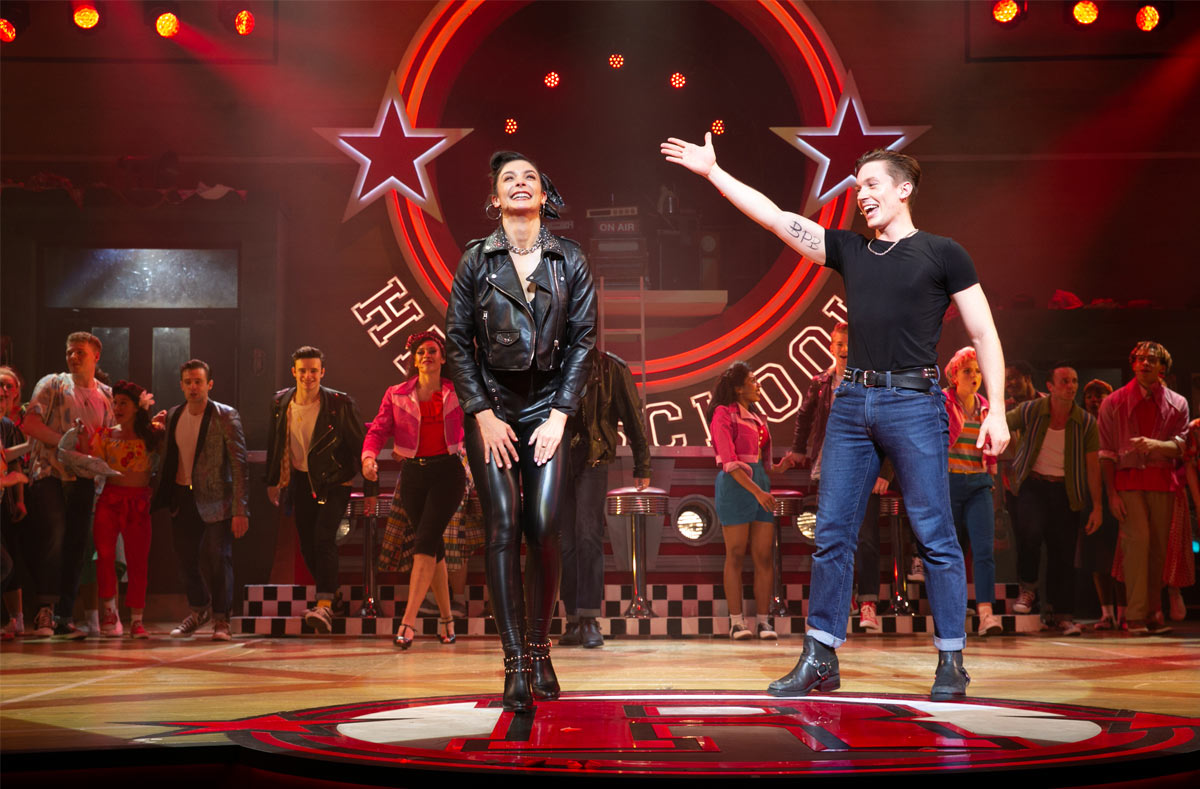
[801, 234]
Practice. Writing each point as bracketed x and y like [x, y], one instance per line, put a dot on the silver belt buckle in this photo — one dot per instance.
[865, 382]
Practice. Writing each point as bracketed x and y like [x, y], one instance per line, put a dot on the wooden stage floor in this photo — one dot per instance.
[104, 693]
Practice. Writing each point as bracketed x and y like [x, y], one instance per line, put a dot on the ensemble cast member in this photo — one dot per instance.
[131, 446]
[314, 440]
[519, 325]
[899, 284]
[12, 501]
[59, 535]
[611, 397]
[1100, 546]
[425, 422]
[204, 485]
[745, 506]
[971, 478]
[1142, 428]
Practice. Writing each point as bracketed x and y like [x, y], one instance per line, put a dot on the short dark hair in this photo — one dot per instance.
[85, 336]
[1023, 367]
[900, 166]
[195, 364]
[308, 352]
[501, 158]
[1060, 364]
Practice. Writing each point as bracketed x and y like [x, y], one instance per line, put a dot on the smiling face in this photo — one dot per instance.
[308, 374]
[124, 410]
[880, 199]
[748, 392]
[839, 347]
[518, 188]
[428, 359]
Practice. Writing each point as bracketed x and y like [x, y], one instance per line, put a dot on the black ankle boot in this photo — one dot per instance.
[817, 669]
[545, 683]
[517, 694]
[951, 679]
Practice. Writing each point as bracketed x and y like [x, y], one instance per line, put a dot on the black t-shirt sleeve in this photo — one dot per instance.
[836, 242]
[958, 268]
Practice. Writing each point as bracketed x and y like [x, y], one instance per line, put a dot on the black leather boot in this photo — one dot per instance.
[817, 669]
[544, 682]
[951, 679]
[517, 694]
[589, 633]
[570, 636]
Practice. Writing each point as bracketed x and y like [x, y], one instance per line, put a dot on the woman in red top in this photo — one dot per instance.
[424, 419]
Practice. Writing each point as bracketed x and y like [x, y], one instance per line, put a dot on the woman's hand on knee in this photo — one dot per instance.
[499, 439]
[547, 436]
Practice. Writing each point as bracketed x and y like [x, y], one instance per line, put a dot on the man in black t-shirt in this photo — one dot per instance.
[898, 286]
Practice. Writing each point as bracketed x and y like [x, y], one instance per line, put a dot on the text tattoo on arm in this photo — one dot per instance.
[797, 231]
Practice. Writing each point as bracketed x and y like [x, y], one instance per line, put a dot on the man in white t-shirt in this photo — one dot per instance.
[204, 484]
[1055, 477]
[60, 506]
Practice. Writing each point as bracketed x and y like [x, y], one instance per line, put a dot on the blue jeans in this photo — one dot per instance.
[971, 506]
[911, 428]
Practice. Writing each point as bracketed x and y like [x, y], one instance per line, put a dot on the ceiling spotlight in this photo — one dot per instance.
[236, 16]
[86, 16]
[1152, 16]
[1009, 13]
[510, 125]
[718, 127]
[615, 60]
[552, 79]
[163, 17]
[14, 20]
[1085, 12]
[678, 80]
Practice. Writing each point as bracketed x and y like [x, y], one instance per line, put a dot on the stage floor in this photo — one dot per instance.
[116, 693]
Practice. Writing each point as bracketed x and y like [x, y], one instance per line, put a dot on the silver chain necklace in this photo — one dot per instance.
[894, 243]
[537, 244]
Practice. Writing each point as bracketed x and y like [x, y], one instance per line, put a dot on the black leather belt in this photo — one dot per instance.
[920, 378]
[425, 461]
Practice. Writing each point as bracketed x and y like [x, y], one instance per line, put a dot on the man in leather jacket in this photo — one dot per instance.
[204, 483]
[314, 441]
[611, 396]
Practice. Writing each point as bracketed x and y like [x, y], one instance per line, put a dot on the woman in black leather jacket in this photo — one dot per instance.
[519, 325]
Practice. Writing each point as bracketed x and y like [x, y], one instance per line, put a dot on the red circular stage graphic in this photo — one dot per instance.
[812, 69]
[704, 733]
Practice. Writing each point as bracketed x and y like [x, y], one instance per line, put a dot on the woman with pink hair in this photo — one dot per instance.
[971, 480]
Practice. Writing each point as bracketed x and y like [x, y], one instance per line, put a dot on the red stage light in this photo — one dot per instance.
[86, 16]
[615, 60]
[1147, 18]
[718, 127]
[1085, 12]
[552, 79]
[1008, 13]
[678, 80]
[8, 31]
[510, 125]
[243, 23]
[167, 25]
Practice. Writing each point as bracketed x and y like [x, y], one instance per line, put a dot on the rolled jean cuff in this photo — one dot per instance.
[949, 644]
[831, 641]
[592, 612]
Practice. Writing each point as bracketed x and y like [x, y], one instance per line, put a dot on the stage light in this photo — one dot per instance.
[1085, 12]
[236, 17]
[678, 80]
[1008, 13]
[167, 25]
[718, 127]
[1147, 18]
[552, 79]
[615, 60]
[14, 20]
[163, 17]
[510, 125]
[86, 16]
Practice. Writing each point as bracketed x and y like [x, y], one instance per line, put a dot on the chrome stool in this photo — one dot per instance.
[788, 504]
[357, 512]
[892, 505]
[637, 504]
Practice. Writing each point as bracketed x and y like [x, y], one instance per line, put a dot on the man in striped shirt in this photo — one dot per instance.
[1056, 472]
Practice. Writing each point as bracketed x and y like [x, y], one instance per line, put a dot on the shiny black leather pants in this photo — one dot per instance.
[522, 501]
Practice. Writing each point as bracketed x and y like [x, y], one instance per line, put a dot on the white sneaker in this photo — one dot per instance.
[739, 632]
[916, 572]
[190, 624]
[866, 616]
[320, 619]
[766, 630]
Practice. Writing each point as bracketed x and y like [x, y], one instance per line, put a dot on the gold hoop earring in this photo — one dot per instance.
[487, 212]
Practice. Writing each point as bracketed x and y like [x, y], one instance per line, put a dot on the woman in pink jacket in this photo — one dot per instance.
[745, 506]
[423, 418]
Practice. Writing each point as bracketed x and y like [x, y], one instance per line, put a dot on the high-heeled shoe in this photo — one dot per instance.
[545, 682]
[402, 641]
[446, 631]
[517, 694]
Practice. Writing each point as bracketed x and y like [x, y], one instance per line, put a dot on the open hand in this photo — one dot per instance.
[499, 439]
[547, 436]
[699, 159]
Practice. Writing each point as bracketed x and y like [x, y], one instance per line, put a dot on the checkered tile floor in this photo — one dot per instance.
[682, 610]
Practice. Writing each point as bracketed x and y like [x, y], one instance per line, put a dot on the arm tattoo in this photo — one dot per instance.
[797, 231]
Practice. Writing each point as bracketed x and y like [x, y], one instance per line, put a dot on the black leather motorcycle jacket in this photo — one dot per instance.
[333, 454]
[491, 327]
